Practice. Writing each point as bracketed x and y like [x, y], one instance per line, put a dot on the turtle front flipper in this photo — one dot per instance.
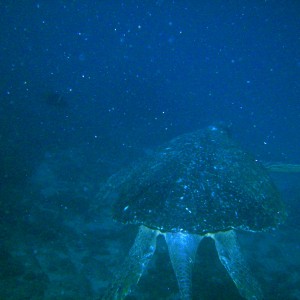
[182, 251]
[232, 259]
[134, 265]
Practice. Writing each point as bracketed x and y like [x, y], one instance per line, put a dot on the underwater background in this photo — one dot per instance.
[87, 87]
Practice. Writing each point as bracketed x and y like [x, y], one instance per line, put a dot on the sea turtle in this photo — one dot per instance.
[200, 184]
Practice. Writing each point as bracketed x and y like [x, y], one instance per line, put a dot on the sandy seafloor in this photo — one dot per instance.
[59, 242]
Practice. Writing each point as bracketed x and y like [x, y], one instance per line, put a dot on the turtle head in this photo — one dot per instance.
[221, 127]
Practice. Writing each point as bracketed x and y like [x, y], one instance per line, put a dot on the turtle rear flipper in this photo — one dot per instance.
[134, 265]
[233, 261]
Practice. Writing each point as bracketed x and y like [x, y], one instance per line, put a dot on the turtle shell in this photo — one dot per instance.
[201, 182]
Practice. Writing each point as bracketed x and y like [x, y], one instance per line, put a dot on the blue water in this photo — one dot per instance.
[88, 86]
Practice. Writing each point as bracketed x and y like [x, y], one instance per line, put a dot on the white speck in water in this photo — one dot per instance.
[188, 210]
